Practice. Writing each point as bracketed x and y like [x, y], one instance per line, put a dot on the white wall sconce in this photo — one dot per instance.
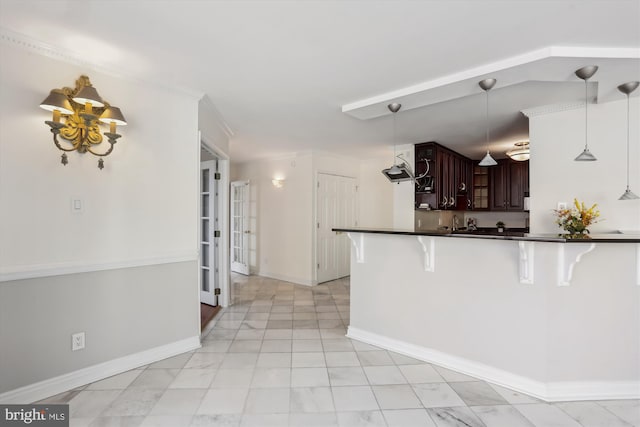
[277, 182]
[83, 111]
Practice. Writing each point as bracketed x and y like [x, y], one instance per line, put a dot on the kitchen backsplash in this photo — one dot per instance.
[489, 219]
[431, 220]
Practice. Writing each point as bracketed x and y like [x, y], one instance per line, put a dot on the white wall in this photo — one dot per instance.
[375, 195]
[132, 252]
[404, 193]
[134, 208]
[473, 315]
[281, 220]
[557, 138]
[282, 241]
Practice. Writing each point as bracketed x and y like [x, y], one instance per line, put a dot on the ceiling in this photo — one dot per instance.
[281, 72]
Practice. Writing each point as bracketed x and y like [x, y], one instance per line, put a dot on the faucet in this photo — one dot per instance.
[454, 225]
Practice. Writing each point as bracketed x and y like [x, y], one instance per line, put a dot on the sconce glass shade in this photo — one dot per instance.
[487, 160]
[89, 94]
[520, 153]
[113, 115]
[57, 101]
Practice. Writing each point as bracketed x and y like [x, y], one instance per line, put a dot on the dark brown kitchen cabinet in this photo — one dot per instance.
[450, 177]
[509, 181]
[480, 188]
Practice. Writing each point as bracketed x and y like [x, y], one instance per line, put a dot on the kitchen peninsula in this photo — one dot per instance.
[552, 317]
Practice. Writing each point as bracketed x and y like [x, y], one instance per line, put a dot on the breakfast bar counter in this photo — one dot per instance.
[549, 316]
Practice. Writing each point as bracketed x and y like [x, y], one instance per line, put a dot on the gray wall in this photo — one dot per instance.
[121, 311]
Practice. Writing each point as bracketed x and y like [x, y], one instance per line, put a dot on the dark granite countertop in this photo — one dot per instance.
[507, 235]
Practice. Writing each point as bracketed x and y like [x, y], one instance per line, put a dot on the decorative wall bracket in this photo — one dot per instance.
[428, 245]
[569, 254]
[526, 262]
[357, 241]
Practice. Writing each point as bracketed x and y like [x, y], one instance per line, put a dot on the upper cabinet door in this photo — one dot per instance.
[509, 182]
[518, 178]
[498, 179]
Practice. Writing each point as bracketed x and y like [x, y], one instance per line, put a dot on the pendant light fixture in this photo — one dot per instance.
[627, 88]
[585, 73]
[486, 85]
[394, 108]
[520, 152]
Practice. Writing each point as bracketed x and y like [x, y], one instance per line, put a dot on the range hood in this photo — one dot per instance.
[404, 174]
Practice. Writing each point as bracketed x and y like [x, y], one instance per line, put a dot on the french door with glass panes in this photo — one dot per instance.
[240, 227]
[210, 234]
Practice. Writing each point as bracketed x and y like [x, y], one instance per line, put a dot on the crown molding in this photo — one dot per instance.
[217, 116]
[33, 45]
[552, 108]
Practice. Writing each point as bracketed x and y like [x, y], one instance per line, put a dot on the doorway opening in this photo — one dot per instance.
[212, 234]
[240, 232]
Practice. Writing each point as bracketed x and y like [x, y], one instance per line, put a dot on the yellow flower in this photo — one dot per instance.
[577, 219]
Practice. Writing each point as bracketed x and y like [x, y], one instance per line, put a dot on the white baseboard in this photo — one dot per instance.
[43, 389]
[550, 392]
[296, 280]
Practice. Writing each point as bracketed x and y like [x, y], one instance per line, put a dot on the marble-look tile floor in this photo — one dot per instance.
[279, 357]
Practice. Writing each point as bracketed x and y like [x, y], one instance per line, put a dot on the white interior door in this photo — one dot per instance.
[326, 196]
[208, 227]
[335, 207]
[240, 227]
[346, 210]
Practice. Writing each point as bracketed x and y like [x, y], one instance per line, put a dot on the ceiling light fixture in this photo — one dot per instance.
[585, 73]
[627, 88]
[486, 85]
[83, 110]
[521, 151]
[402, 172]
[394, 108]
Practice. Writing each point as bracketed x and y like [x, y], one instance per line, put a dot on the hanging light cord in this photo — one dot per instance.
[627, 141]
[586, 119]
[487, 132]
[394, 138]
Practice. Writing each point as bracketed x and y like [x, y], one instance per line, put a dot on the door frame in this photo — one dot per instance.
[314, 231]
[223, 220]
[209, 297]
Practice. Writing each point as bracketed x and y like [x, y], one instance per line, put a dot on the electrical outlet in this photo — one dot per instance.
[562, 205]
[77, 341]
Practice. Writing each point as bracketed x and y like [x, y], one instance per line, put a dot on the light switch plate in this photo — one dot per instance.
[77, 205]
[562, 205]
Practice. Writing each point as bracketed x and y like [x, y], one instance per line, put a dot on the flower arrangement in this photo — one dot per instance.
[577, 219]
